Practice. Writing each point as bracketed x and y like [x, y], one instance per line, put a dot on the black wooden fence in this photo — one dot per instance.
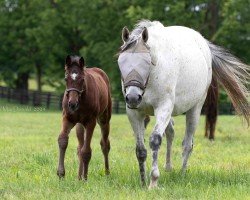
[48, 100]
[53, 101]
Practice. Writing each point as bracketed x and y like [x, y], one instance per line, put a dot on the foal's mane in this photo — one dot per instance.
[135, 34]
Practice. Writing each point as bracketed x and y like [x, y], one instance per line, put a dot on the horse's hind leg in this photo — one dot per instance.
[212, 130]
[105, 145]
[170, 136]
[80, 137]
[192, 119]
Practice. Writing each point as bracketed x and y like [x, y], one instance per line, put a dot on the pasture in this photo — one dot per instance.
[29, 155]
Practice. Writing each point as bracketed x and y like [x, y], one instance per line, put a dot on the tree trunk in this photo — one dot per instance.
[39, 77]
[22, 86]
[212, 17]
[37, 101]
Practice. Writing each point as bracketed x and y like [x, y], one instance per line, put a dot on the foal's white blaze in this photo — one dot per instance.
[73, 76]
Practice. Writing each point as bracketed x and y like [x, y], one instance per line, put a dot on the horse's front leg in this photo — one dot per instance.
[137, 122]
[163, 116]
[86, 149]
[63, 143]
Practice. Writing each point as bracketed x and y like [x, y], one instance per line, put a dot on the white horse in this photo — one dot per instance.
[166, 71]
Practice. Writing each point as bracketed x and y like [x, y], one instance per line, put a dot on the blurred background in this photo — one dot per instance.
[36, 36]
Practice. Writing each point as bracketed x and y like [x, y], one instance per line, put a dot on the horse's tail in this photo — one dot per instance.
[233, 75]
[211, 108]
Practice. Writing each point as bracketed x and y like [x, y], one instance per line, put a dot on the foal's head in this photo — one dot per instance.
[74, 77]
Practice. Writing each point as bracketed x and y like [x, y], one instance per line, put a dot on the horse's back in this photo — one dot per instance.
[186, 64]
[196, 70]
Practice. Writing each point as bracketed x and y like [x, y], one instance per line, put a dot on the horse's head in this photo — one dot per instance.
[134, 62]
[74, 77]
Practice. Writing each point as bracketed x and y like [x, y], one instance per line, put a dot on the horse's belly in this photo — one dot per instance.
[192, 86]
[191, 90]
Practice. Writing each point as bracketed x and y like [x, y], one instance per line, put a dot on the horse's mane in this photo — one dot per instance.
[135, 34]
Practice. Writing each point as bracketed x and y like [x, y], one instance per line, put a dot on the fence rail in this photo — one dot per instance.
[44, 99]
[54, 101]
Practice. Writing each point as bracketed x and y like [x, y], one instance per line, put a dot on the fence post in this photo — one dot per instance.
[8, 94]
[116, 106]
[2, 96]
[60, 101]
[48, 100]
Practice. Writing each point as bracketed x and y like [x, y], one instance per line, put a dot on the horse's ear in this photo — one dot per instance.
[145, 35]
[68, 60]
[125, 34]
[81, 62]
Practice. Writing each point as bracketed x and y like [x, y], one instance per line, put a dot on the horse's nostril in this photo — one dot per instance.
[139, 98]
[126, 98]
[69, 104]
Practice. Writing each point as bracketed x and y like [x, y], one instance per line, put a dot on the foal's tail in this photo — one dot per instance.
[233, 75]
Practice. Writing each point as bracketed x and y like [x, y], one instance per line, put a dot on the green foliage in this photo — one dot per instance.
[39, 34]
[29, 155]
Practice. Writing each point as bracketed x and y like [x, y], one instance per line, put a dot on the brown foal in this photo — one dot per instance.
[86, 101]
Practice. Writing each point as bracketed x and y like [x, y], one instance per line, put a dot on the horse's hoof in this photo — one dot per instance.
[168, 168]
[153, 185]
[61, 173]
[143, 183]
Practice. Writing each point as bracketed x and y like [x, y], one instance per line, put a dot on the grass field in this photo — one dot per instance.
[29, 154]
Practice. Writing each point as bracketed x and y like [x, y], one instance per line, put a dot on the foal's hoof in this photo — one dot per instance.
[81, 178]
[61, 173]
[107, 172]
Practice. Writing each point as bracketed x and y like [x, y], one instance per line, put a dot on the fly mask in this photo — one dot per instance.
[134, 65]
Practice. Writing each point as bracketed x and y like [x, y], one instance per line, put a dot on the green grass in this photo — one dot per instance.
[29, 154]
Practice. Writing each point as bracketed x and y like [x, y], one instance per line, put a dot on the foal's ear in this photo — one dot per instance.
[145, 35]
[68, 60]
[81, 62]
[125, 34]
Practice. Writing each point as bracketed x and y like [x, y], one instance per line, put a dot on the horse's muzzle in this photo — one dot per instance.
[73, 106]
[133, 100]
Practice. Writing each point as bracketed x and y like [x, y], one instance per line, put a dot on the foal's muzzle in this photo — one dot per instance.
[73, 106]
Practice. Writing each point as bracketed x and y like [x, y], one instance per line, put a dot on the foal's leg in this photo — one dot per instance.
[80, 137]
[192, 119]
[86, 149]
[163, 115]
[170, 136]
[63, 143]
[137, 123]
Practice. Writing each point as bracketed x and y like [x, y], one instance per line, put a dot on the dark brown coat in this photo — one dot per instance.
[87, 100]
